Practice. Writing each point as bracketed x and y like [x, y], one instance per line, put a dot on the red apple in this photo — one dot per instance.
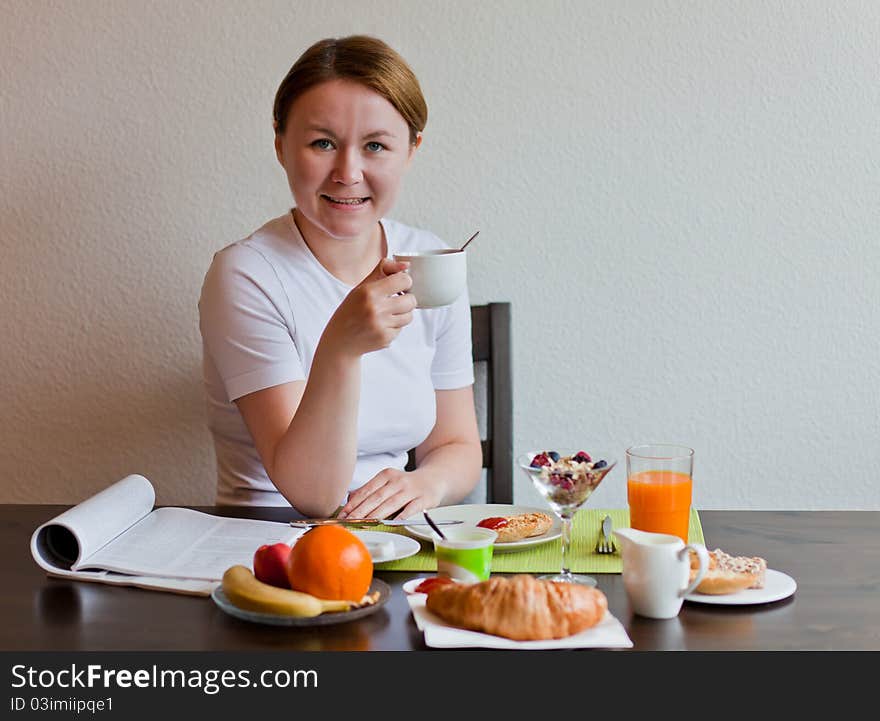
[270, 564]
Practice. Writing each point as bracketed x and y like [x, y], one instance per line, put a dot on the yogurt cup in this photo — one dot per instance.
[465, 554]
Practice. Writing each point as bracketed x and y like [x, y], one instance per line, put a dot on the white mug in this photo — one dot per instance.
[438, 276]
[656, 568]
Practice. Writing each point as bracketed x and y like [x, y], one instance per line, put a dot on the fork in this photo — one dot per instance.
[605, 543]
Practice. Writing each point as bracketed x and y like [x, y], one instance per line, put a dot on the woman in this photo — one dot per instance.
[320, 375]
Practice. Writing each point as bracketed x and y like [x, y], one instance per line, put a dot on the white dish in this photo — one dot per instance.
[473, 513]
[608, 633]
[410, 586]
[401, 546]
[777, 585]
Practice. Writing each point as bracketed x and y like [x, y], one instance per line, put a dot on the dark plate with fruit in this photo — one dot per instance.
[325, 619]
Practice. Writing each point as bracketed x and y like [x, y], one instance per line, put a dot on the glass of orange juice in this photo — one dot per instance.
[659, 488]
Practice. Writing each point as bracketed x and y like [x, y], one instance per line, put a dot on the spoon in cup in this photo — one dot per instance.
[433, 525]
[469, 240]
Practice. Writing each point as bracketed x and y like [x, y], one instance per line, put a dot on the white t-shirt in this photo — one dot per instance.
[265, 302]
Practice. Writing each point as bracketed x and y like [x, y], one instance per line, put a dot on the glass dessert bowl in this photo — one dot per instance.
[566, 479]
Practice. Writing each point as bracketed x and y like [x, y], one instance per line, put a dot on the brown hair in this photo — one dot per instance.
[361, 59]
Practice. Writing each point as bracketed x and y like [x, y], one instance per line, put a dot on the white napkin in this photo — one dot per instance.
[608, 633]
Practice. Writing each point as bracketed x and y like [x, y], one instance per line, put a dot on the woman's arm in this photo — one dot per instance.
[306, 431]
[449, 463]
[294, 424]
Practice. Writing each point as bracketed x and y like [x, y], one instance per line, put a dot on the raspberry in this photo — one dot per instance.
[581, 457]
[561, 481]
[540, 460]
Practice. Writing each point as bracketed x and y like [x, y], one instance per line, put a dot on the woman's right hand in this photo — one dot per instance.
[374, 312]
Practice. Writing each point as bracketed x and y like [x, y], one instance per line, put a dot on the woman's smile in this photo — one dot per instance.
[345, 204]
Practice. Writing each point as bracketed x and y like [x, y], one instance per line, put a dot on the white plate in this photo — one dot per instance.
[777, 585]
[402, 547]
[411, 585]
[473, 513]
[608, 633]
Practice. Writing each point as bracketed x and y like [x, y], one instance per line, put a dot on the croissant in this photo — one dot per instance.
[520, 607]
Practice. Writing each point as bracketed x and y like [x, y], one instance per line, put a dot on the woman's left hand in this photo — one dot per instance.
[392, 490]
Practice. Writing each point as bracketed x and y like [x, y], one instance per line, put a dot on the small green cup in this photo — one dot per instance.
[465, 554]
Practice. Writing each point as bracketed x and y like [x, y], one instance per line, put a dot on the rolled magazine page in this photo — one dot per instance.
[64, 542]
[67, 540]
[117, 537]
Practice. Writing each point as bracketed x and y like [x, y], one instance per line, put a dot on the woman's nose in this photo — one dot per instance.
[348, 170]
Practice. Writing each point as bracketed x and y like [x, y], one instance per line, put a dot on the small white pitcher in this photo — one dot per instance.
[656, 568]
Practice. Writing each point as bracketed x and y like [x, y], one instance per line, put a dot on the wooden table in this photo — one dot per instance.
[833, 555]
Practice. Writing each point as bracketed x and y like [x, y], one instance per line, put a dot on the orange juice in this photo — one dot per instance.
[660, 502]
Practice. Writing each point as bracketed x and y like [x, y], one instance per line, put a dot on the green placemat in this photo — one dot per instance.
[545, 558]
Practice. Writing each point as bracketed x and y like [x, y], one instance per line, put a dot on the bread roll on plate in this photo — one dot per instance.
[729, 574]
[519, 527]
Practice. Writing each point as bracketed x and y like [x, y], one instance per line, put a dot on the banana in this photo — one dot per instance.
[244, 590]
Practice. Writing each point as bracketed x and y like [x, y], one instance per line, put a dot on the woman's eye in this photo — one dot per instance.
[375, 147]
[322, 144]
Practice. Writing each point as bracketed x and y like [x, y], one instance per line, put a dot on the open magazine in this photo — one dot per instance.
[117, 537]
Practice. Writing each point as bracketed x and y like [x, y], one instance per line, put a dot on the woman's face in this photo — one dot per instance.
[345, 150]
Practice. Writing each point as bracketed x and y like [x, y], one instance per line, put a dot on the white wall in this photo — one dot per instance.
[680, 199]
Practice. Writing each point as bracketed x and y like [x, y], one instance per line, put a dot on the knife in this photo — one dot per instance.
[310, 522]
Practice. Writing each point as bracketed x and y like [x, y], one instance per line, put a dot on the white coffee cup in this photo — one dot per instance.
[438, 276]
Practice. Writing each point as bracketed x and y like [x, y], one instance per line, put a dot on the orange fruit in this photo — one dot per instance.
[332, 563]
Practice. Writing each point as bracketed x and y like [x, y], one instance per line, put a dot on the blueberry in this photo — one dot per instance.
[554, 455]
[599, 464]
